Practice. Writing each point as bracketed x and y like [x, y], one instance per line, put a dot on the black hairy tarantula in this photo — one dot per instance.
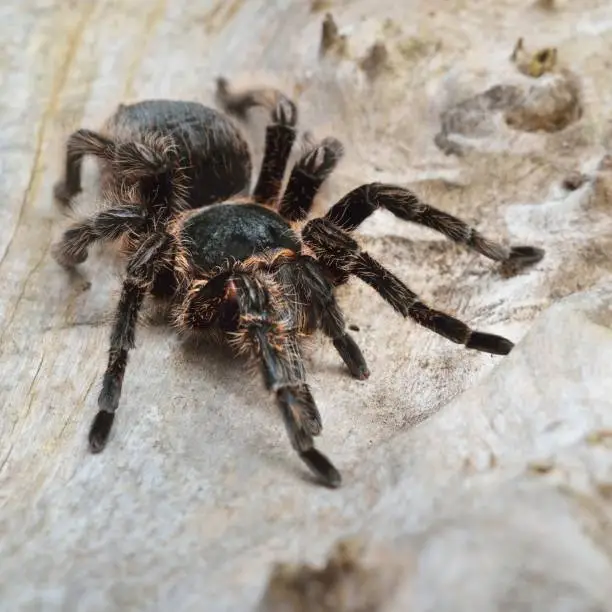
[175, 175]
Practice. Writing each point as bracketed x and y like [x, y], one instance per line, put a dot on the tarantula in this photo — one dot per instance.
[252, 266]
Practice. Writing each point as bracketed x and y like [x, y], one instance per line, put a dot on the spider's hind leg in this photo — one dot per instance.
[79, 144]
[134, 160]
[280, 136]
[359, 204]
[238, 103]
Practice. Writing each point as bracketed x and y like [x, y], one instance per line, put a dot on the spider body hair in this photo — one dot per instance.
[148, 138]
[250, 268]
[232, 231]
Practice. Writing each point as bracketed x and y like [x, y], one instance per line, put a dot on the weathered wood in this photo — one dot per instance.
[198, 491]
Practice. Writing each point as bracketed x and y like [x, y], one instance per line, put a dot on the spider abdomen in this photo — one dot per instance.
[214, 154]
[223, 232]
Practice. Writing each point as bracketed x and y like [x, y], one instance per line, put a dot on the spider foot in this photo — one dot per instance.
[489, 343]
[222, 87]
[322, 467]
[100, 430]
[323, 158]
[525, 255]
[352, 357]
[63, 194]
[302, 420]
[285, 112]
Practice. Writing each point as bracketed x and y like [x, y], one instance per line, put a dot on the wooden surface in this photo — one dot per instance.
[198, 490]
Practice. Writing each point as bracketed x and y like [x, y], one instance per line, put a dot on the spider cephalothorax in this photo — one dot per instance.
[251, 267]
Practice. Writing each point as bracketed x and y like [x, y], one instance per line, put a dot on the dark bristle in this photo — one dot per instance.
[322, 467]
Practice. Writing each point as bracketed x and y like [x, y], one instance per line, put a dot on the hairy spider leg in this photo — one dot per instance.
[335, 248]
[141, 271]
[239, 103]
[355, 207]
[283, 371]
[305, 278]
[79, 144]
[130, 159]
[280, 134]
[107, 225]
[307, 176]
[257, 320]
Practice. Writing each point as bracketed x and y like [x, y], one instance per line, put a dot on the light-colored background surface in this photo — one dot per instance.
[198, 491]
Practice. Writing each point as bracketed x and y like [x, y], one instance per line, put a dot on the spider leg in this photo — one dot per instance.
[313, 290]
[335, 248]
[200, 307]
[79, 144]
[238, 103]
[307, 176]
[280, 134]
[261, 329]
[130, 159]
[141, 271]
[107, 225]
[349, 212]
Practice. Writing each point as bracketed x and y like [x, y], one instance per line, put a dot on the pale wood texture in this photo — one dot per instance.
[198, 491]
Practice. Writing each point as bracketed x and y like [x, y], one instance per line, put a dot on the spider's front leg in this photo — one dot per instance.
[262, 328]
[305, 278]
[359, 204]
[307, 176]
[337, 250]
[257, 323]
[141, 271]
